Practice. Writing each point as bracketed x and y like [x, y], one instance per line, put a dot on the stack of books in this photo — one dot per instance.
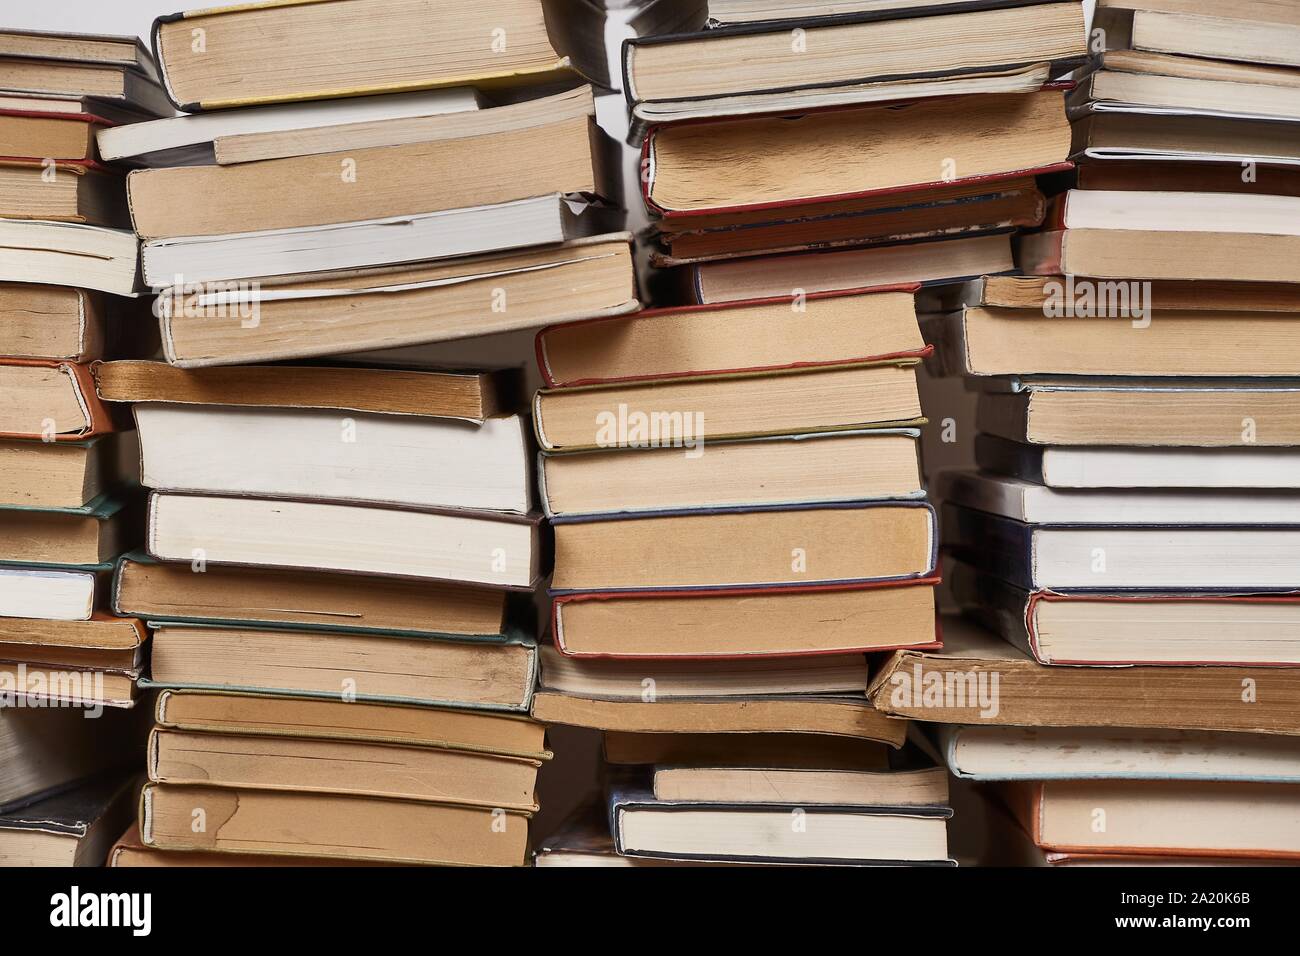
[67, 504]
[820, 146]
[1135, 501]
[739, 518]
[339, 555]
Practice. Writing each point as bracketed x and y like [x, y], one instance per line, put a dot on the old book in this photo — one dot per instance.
[101, 642]
[330, 825]
[71, 254]
[116, 83]
[69, 191]
[495, 549]
[473, 396]
[492, 674]
[73, 828]
[1057, 293]
[51, 322]
[924, 786]
[35, 474]
[678, 414]
[90, 535]
[747, 548]
[1240, 30]
[980, 679]
[166, 591]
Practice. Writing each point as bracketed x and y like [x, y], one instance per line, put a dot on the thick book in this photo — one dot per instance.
[174, 591]
[1186, 818]
[471, 396]
[391, 48]
[1216, 144]
[86, 536]
[130, 851]
[472, 731]
[101, 642]
[309, 453]
[935, 261]
[73, 828]
[834, 155]
[1253, 32]
[1133, 557]
[372, 829]
[1083, 753]
[741, 338]
[1155, 413]
[1171, 235]
[195, 138]
[644, 825]
[376, 182]
[781, 470]
[330, 664]
[688, 413]
[75, 191]
[415, 304]
[49, 750]
[118, 84]
[736, 718]
[1114, 628]
[127, 51]
[396, 240]
[66, 474]
[58, 135]
[753, 548]
[315, 765]
[1102, 467]
[71, 254]
[52, 322]
[50, 401]
[1055, 294]
[852, 49]
[978, 678]
[51, 594]
[63, 685]
[1037, 504]
[1126, 336]
[745, 622]
[494, 549]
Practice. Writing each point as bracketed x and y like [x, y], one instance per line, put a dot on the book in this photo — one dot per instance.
[398, 306]
[87, 536]
[833, 155]
[51, 401]
[740, 785]
[1036, 504]
[643, 825]
[100, 642]
[51, 322]
[1127, 134]
[53, 595]
[49, 750]
[759, 57]
[1199, 177]
[162, 591]
[71, 254]
[734, 339]
[299, 192]
[470, 396]
[65, 474]
[496, 549]
[368, 667]
[392, 49]
[1185, 236]
[64, 685]
[130, 851]
[61, 191]
[786, 751]
[688, 413]
[643, 682]
[73, 828]
[740, 623]
[374, 829]
[1129, 338]
[781, 470]
[312, 453]
[1113, 628]
[1100, 467]
[193, 138]
[1152, 557]
[1168, 817]
[746, 549]
[69, 135]
[474, 731]
[734, 12]
[536, 221]
[937, 261]
[1149, 414]
[314, 765]
[1244, 30]
[79, 47]
[115, 83]
[961, 685]
[847, 717]
[1045, 294]
[1082, 753]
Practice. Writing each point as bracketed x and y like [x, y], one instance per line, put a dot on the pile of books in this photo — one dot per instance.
[1135, 505]
[339, 556]
[68, 506]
